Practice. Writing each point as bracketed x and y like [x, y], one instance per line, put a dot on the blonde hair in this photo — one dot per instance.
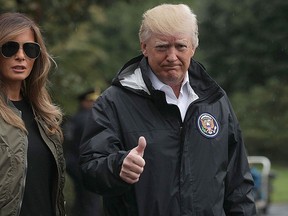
[169, 19]
[34, 88]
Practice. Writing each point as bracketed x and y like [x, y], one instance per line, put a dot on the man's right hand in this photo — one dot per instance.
[133, 164]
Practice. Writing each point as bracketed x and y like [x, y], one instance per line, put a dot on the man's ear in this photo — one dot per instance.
[193, 52]
[143, 49]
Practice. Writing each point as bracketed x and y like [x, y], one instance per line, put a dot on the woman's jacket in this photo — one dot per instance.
[13, 165]
[194, 167]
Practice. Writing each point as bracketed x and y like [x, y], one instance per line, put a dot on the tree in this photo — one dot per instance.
[263, 116]
[245, 39]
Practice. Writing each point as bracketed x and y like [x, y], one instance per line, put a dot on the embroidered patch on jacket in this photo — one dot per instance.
[208, 125]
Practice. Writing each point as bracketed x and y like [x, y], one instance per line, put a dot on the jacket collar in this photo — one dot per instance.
[134, 76]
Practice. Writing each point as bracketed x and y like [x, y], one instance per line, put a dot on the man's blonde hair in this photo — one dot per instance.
[169, 19]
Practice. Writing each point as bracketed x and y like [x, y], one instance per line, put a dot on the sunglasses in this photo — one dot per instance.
[32, 50]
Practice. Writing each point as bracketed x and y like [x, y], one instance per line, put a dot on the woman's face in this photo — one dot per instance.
[15, 69]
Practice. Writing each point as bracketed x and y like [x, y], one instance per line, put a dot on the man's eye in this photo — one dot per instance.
[162, 47]
[181, 47]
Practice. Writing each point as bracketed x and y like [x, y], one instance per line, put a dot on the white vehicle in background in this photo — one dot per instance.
[261, 171]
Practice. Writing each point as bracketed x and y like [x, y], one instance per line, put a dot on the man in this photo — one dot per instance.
[163, 139]
[86, 203]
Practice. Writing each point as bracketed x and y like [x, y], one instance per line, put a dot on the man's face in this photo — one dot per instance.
[169, 57]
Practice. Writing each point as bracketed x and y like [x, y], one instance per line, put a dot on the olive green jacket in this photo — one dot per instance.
[13, 166]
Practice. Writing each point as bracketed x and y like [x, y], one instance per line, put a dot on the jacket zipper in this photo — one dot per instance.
[181, 156]
[25, 172]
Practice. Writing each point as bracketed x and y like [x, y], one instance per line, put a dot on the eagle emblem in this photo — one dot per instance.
[208, 125]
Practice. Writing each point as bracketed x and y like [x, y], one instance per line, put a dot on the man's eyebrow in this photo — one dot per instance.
[182, 41]
[161, 42]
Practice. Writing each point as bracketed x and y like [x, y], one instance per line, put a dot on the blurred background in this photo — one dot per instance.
[243, 45]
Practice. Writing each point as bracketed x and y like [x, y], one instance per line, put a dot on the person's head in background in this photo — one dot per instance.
[169, 37]
[87, 98]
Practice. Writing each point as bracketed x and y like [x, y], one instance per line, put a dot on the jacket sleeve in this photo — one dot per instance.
[101, 151]
[239, 198]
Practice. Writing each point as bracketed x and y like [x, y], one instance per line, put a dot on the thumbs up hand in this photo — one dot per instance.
[133, 164]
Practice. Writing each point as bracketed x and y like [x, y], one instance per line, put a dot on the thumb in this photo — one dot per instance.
[141, 146]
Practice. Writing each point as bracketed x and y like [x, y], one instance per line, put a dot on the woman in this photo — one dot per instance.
[31, 161]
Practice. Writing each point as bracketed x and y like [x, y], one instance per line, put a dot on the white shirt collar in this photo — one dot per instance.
[158, 85]
[186, 96]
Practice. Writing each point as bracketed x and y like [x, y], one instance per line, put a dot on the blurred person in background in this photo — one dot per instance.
[31, 154]
[163, 139]
[86, 203]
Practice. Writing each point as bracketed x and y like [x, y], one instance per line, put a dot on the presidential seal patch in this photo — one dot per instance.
[208, 125]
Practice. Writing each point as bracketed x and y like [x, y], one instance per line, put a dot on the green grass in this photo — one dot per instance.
[280, 184]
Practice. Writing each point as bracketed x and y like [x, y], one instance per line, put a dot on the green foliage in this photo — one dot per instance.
[262, 113]
[245, 39]
[78, 58]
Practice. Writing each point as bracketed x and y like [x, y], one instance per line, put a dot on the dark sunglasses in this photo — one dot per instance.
[32, 50]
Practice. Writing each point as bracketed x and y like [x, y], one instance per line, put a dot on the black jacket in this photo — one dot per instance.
[194, 168]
